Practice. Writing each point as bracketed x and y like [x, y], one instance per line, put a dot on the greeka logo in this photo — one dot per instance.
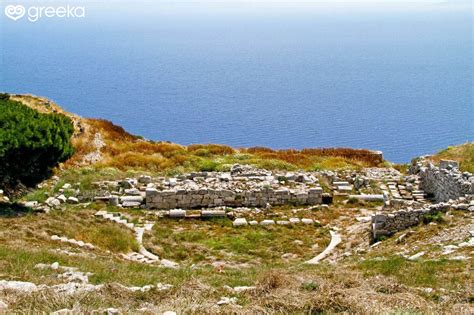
[34, 13]
[15, 12]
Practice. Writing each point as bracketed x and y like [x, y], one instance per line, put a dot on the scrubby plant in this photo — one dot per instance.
[31, 143]
[433, 217]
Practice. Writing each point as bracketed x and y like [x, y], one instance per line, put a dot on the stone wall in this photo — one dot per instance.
[391, 223]
[188, 199]
[444, 183]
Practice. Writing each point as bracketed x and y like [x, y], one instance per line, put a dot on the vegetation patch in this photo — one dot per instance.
[425, 273]
[211, 240]
[31, 143]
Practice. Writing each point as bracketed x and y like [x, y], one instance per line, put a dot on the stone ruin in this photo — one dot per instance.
[246, 186]
[243, 186]
[449, 187]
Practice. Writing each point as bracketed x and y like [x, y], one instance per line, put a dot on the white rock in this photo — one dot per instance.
[31, 204]
[364, 219]
[416, 256]
[66, 186]
[295, 220]
[168, 263]
[53, 202]
[73, 241]
[163, 287]
[132, 192]
[112, 311]
[64, 311]
[253, 222]
[307, 221]
[243, 289]
[55, 265]
[169, 313]
[18, 286]
[138, 199]
[460, 257]
[239, 222]
[61, 198]
[267, 222]
[72, 200]
[226, 300]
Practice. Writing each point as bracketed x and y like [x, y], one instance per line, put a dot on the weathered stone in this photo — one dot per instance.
[240, 222]
[144, 179]
[72, 200]
[367, 197]
[138, 199]
[114, 200]
[177, 213]
[213, 213]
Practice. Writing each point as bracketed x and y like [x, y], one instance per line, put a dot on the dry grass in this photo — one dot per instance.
[463, 153]
[81, 226]
[125, 151]
[356, 285]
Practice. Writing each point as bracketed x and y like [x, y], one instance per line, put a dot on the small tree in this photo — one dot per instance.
[31, 143]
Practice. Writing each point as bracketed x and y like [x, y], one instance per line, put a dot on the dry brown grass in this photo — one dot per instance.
[126, 151]
[319, 157]
[463, 153]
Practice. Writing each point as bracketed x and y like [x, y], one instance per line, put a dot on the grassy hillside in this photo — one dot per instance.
[463, 153]
[106, 145]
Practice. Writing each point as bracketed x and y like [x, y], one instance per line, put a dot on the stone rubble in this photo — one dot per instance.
[76, 282]
[72, 242]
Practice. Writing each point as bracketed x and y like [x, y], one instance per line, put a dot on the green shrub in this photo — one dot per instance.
[433, 217]
[31, 143]
[208, 166]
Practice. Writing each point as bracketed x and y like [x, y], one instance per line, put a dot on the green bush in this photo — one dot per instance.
[31, 143]
[208, 166]
[433, 217]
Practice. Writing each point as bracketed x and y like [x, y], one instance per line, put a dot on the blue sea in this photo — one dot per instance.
[396, 77]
